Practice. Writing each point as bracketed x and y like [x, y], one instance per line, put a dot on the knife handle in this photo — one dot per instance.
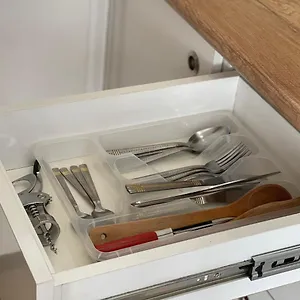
[73, 181]
[165, 153]
[66, 189]
[148, 149]
[261, 195]
[128, 242]
[161, 186]
[146, 237]
[113, 232]
[153, 236]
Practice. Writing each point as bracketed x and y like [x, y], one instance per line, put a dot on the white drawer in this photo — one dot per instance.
[58, 277]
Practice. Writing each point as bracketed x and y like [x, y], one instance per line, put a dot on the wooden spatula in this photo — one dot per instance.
[147, 237]
[269, 207]
[256, 197]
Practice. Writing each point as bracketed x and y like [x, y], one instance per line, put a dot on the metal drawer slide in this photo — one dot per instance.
[259, 266]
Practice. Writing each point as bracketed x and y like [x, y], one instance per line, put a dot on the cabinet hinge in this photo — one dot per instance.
[259, 266]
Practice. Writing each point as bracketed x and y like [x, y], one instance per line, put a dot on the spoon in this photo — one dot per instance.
[99, 210]
[69, 195]
[196, 143]
[83, 176]
[261, 195]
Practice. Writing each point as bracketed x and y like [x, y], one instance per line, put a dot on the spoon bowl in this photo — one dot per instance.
[201, 139]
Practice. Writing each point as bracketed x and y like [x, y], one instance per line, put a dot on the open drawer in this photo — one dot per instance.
[71, 275]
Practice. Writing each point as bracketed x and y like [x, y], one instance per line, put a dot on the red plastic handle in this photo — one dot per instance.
[128, 242]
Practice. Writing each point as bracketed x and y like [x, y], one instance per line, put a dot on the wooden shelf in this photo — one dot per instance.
[260, 38]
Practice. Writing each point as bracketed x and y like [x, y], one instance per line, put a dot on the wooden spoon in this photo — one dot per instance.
[256, 197]
[269, 207]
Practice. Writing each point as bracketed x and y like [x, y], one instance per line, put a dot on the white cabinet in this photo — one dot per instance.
[51, 48]
[149, 42]
[61, 48]
[71, 274]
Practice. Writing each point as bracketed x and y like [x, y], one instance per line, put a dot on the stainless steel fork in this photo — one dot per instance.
[216, 166]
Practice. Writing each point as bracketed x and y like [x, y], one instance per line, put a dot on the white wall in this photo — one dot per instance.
[47, 48]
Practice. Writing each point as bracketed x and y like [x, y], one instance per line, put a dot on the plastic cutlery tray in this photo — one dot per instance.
[110, 173]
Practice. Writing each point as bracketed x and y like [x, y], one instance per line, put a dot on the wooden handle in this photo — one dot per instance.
[128, 242]
[258, 196]
[152, 236]
[122, 230]
[270, 207]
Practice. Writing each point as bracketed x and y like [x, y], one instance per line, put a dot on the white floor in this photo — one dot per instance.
[16, 282]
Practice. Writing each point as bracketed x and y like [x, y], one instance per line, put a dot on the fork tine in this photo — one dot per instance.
[228, 153]
[244, 153]
[242, 149]
[232, 152]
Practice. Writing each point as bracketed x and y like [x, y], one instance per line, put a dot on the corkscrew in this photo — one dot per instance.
[35, 201]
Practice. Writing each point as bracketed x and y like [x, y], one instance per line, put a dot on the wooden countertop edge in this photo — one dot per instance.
[282, 100]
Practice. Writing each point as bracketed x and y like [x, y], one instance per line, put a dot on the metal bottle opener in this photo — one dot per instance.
[35, 202]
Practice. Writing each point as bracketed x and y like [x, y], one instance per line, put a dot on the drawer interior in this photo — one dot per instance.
[106, 113]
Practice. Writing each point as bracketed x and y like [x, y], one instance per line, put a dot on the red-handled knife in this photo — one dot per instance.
[153, 236]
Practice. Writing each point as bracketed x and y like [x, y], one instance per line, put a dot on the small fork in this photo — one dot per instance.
[216, 166]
